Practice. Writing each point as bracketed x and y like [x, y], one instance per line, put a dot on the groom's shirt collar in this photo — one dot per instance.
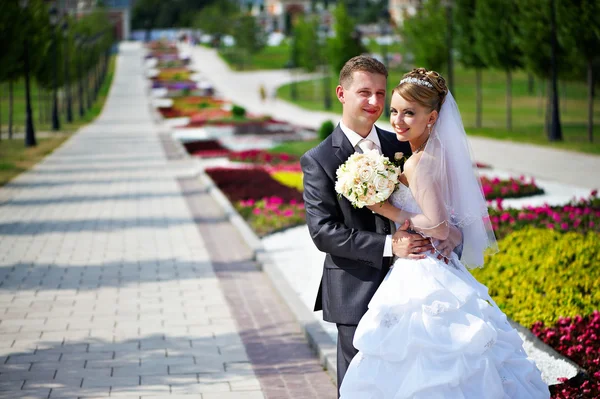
[355, 138]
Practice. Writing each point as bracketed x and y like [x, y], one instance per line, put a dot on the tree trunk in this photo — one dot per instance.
[10, 109]
[479, 99]
[563, 106]
[590, 79]
[508, 100]
[541, 96]
[548, 116]
[530, 84]
[40, 108]
[1, 95]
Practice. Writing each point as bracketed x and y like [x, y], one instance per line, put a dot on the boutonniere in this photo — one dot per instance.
[399, 160]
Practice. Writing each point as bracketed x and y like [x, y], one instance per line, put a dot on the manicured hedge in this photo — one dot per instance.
[541, 275]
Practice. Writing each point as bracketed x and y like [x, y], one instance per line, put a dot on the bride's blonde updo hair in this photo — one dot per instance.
[427, 88]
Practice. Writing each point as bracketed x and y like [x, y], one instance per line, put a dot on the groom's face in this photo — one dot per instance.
[363, 99]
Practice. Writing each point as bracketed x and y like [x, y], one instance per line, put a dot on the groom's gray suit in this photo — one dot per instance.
[353, 239]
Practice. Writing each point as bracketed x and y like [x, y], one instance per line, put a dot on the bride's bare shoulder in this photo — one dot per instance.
[411, 164]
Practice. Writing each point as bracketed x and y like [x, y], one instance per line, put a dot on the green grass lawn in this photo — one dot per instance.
[527, 109]
[270, 57]
[297, 148]
[15, 157]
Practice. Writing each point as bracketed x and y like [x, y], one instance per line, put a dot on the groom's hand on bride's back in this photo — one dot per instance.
[409, 245]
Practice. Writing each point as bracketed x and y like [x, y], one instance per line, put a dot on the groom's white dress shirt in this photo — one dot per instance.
[357, 142]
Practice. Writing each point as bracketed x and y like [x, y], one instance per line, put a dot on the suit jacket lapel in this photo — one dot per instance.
[342, 146]
[386, 143]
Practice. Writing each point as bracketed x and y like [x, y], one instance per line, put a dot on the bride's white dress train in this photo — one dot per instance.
[432, 331]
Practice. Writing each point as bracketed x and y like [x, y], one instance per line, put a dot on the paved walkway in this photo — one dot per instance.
[545, 163]
[121, 277]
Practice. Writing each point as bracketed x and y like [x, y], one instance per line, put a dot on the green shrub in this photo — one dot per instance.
[326, 129]
[541, 275]
[238, 112]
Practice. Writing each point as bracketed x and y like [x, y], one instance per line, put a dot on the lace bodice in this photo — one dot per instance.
[402, 198]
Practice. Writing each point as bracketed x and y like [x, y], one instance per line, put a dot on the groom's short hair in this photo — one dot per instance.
[362, 63]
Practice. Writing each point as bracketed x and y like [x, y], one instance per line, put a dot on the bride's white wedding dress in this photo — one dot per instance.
[432, 331]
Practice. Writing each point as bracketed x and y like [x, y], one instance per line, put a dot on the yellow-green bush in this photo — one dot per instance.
[290, 179]
[541, 275]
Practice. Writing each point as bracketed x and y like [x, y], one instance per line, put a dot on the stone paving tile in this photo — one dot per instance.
[275, 345]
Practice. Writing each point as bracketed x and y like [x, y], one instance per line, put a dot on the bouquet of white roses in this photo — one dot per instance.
[367, 178]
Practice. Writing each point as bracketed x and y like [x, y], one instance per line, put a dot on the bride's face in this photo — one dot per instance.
[409, 119]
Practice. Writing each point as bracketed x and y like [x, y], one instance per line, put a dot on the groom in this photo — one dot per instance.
[358, 243]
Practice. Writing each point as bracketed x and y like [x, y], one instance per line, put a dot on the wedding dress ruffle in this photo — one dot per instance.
[432, 331]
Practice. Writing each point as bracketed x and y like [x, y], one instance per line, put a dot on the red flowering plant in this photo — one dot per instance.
[284, 167]
[266, 204]
[254, 183]
[580, 215]
[577, 338]
[509, 188]
[206, 148]
[262, 157]
[271, 214]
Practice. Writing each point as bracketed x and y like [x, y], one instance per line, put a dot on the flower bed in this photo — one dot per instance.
[195, 103]
[206, 148]
[178, 63]
[173, 74]
[244, 125]
[271, 214]
[289, 178]
[291, 167]
[577, 338]
[174, 85]
[580, 215]
[251, 184]
[542, 275]
[262, 157]
[509, 188]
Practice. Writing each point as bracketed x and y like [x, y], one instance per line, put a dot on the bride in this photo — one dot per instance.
[432, 331]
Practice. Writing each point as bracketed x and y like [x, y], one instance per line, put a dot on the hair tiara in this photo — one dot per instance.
[417, 81]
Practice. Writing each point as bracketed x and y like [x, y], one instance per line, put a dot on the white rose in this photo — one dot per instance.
[365, 173]
[380, 183]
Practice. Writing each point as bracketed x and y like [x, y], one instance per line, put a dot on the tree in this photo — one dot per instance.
[249, 36]
[495, 41]
[535, 42]
[166, 14]
[306, 40]
[25, 28]
[424, 36]
[217, 19]
[346, 43]
[579, 31]
[465, 44]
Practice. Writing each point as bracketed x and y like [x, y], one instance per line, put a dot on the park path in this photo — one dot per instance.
[121, 276]
[566, 167]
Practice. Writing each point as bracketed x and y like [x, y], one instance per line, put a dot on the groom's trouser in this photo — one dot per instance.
[345, 350]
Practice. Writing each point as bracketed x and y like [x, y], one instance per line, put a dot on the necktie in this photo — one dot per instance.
[366, 145]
